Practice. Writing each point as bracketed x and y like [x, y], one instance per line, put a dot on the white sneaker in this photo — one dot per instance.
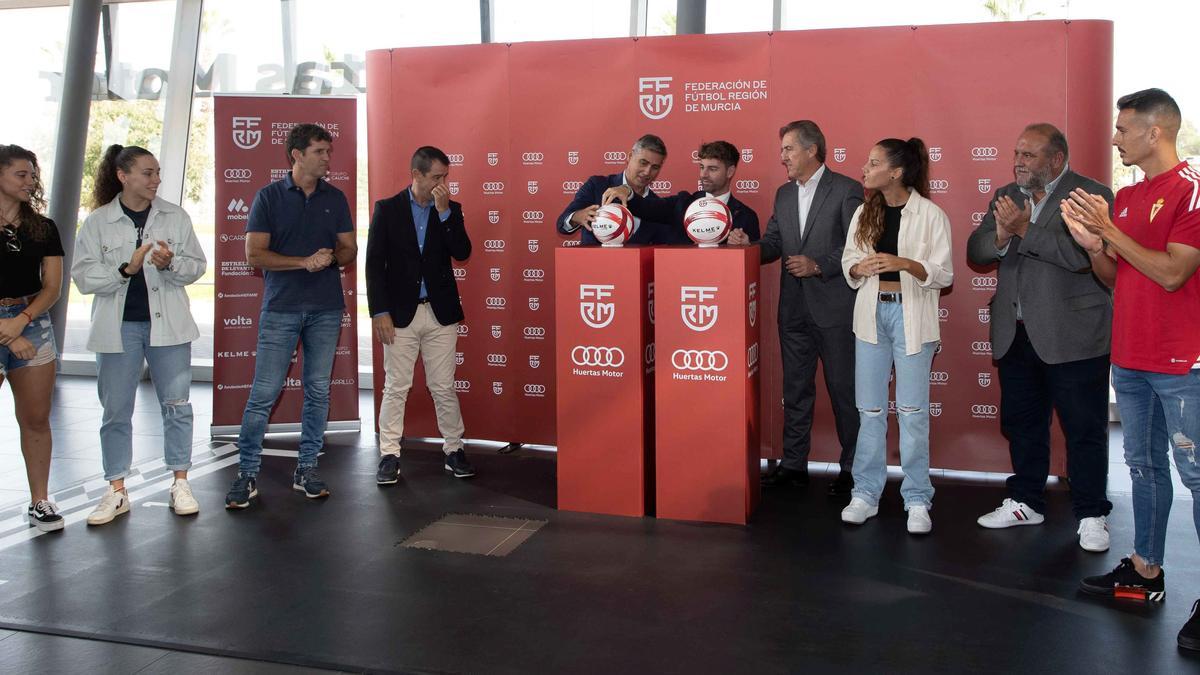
[182, 501]
[1093, 534]
[919, 521]
[858, 511]
[111, 505]
[1011, 513]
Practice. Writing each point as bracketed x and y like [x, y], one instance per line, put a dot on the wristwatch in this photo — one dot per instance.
[121, 269]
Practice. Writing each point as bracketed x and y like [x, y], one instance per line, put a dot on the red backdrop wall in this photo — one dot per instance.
[525, 124]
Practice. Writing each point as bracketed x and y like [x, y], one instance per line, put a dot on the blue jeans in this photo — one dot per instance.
[873, 367]
[117, 380]
[278, 333]
[40, 334]
[1156, 407]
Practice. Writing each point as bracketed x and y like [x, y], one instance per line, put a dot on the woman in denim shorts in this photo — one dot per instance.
[31, 268]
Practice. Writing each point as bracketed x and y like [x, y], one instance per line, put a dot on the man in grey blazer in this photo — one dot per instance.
[1050, 327]
[816, 306]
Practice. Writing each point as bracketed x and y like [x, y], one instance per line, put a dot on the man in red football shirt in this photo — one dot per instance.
[1148, 252]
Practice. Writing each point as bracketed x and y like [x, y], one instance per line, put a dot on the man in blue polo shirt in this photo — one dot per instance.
[299, 233]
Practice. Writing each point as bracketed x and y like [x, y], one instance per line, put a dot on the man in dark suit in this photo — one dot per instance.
[718, 165]
[1050, 326]
[414, 305]
[816, 305]
[645, 161]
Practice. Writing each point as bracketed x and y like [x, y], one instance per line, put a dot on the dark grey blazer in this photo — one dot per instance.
[829, 298]
[1066, 310]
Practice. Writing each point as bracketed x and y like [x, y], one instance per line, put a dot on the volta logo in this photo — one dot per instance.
[455, 159]
[246, 132]
[981, 348]
[493, 158]
[939, 185]
[535, 361]
[985, 315]
[983, 283]
[493, 187]
[535, 304]
[534, 245]
[935, 154]
[533, 187]
[593, 312]
[494, 302]
[938, 377]
[493, 245]
[453, 185]
[533, 274]
[747, 155]
[985, 380]
[535, 333]
[238, 322]
[533, 216]
[752, 355]
[570, 187]
[983, 154]
[532, 158]
[460, 273]
[462, 386]
[459, 358]
[661, 186]
[977, 216]
[238, 209]
[746, 185]
[935, 409]
[985, 185]
[493, 217]
[494, 274]
[943, 313]
[463, 330]
[752, 302]
[982, 411]
[497, 331]
[699, 359]
[238, 175]
[698, 316]
[839, 155]
[613, 157]
[649, 354]
[497, 359]
[538, 390]
[606, 357]
[497, 387]
[653, 103]
[572, 157]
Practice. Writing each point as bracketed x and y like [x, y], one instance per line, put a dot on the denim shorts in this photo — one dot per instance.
[39, 332]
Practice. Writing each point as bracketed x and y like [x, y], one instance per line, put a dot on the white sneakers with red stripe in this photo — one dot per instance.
[1009, 514]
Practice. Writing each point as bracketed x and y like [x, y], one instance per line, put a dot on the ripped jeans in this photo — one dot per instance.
[117, 380]
[1158, 411]
[872, 371]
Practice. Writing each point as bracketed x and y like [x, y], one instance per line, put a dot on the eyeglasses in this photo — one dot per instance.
[11, 241]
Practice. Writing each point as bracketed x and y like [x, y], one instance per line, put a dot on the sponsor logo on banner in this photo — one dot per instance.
[235, 268]
[238, 209]
[747, 155]
[984, 154]
[752, 302]
[278, 174]
[983, 411]
[462, 386]
[698, 315]
[532, 158]
[499, 360]
[985, 315]
[695, 155]
[939, 186]
[497, 331]
[533, 187]
[459, 358]
[493, 187]
[535, 390]
[238, 175]
[572, 157]
[839, 155]
[534, 245]
[571, 243]
[497, 388]
[985, 185]
[650, 301]
[615, 157]
[983, 283]
[935, 409]
[246, 132]
[661, 186]
[456, 159]
[985, 379]
[699, 359]
[649, 354]
[493, 217]
[234, 355]
[939, 377]
[535, 361]
[493, 245]
[943, 313]
[248, 295]
[493, 158]
[652, 101]
[533, 216]
[495, 302]
[453, 186]
[533, 273]
[535, 333]
[463, 330]
[750, 186]
[239, 236]
[460, 273]
[981, 348]
[935, 153]
[570, 187]
[752, 355]
[337, 176]
[494, 274]
[598, 357]
[535, 304]
[593, 312]
[977, 216]
[238, 321]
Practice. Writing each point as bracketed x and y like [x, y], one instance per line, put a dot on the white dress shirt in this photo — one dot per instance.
[805, 195]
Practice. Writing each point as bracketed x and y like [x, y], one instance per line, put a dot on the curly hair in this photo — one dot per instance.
[34, 224]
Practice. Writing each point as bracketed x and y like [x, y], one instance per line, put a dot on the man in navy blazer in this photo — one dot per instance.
[718, 165]
[645, 161]
[414, 305]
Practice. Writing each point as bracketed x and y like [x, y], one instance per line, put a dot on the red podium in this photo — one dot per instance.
[706, 387]
[604, 348]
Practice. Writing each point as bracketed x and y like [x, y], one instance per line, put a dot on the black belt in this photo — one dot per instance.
[888, 296]
[422, 301]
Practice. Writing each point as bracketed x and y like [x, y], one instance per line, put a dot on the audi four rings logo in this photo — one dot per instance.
[938, 377]
[571, 186]
[606, 357]
[463, 330]
[699, 359]
[984, 153]
[532, 158]
[977, 216]
[983, 283]
[462, 386]
[493, 187]
[493, 244]
[460, 273]
[661, 186]
[535, 389]
[981, 347]
[746, 185]
[531, 274]
[455, 160]
[944, 313]
[535, 332]
[649, 354]
[939, 185]
[533, 216]
[495, 303]
[615, 157]
[238, 174]
[980, 410]
[497, 359]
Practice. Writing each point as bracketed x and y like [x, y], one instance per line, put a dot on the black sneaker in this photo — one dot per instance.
[457, 464]
[1189, 635]
[244, 488]
[306, 480]
[1125, 582]
[44, 516]
[389, 470]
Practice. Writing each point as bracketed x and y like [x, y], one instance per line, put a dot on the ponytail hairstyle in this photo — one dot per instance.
[912, 158]
[29, 214]
[107, 185]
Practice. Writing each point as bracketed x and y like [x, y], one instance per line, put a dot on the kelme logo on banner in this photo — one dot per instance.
[593, 312]
[246, 132]
[651, 101]
[698, 315]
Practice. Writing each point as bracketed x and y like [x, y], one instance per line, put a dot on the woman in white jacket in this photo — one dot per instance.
[898, 257]
[136, 254]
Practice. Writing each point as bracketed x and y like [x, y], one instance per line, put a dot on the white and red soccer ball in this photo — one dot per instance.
[614, 225]
[707, 221]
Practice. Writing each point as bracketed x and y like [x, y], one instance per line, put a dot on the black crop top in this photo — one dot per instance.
[888, 241]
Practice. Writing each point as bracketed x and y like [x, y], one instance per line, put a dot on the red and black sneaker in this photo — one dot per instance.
[1125, 583]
